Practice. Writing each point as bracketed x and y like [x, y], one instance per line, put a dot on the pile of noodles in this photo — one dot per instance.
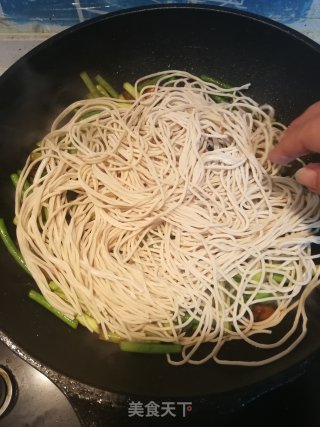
[163, 212]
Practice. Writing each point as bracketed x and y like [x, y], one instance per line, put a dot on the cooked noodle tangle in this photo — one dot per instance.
[156, 213]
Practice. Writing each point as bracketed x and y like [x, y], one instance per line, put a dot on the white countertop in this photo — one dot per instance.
[14, 45]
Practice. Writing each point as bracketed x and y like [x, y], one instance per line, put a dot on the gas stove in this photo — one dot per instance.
[29, 397]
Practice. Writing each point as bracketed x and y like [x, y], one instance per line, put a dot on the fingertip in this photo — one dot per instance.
[309, 176]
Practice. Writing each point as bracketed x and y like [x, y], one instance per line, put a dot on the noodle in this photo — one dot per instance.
[155, 213]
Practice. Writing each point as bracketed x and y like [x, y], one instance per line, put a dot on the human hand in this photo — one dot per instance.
[301, 137]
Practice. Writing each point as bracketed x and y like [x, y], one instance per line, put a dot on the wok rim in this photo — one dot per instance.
[136, 10]
[240, 396]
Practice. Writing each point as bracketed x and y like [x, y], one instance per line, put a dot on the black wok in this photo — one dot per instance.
[283, 68]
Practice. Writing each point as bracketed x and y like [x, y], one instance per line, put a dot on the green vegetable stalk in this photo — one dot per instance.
[102, 90]
[215, 81]
[14, 179]
[223, 85]
[150, 348]
[36, 296]
[107, 86]
[12, 248]
[130, 89]
[89, 323]
[89, 83]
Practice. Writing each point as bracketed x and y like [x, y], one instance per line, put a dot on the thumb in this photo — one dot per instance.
[309, 176]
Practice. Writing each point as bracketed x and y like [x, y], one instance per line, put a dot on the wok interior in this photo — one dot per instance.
[284, 72]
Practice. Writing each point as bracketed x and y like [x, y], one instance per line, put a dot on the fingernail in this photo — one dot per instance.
[280, 160]
[307, 177]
